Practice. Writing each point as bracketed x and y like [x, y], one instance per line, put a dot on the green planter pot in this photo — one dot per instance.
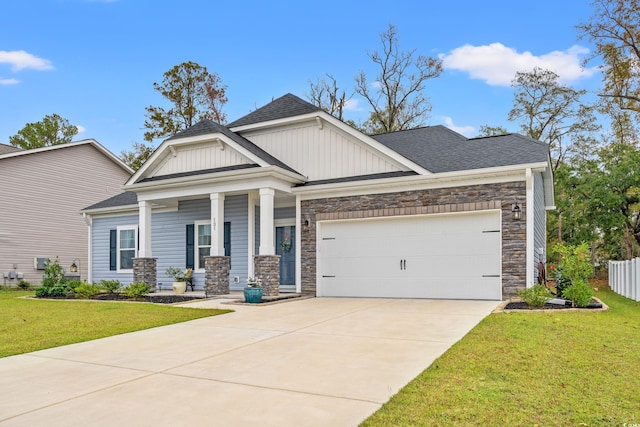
[252, 295]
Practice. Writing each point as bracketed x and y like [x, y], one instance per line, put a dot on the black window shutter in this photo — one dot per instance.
[190, 248]
[113, 249]
[227, 239]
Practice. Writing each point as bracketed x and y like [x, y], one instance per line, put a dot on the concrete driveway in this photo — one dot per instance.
[314, 362]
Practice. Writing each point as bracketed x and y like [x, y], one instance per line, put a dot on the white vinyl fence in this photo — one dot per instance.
[624, 278]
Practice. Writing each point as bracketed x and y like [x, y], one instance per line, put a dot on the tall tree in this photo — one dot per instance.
[195, 94]
[486, 130]
[51, 130]
[328, 96]
[614, 27]
[136, 157]
[554, 113]
[397, 94]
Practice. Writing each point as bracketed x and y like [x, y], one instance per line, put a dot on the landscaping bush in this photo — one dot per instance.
[575, 270]
[137, 290]
[53, 282]
[86, 290]
[110, 286]
[24, 285]
[580, 293]
[562, 282]
[535, 296]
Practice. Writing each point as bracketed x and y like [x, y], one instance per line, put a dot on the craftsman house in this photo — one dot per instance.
[309, 204]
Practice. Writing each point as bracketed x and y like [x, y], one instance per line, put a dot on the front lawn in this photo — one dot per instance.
[28, 325]
[546, 369]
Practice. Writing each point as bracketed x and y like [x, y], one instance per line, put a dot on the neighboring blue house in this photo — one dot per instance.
[300, 199]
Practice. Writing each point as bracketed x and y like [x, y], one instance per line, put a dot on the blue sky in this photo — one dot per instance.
[94, 61]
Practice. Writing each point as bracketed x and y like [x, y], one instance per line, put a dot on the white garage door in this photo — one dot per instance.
[454, 256]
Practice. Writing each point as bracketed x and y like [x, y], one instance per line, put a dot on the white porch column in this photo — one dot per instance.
[144, 219]
[217, 224]
[267, 230]
[529, 217]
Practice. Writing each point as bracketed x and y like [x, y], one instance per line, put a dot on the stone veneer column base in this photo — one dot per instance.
[216, 275]
[144, 270]
[267, 269]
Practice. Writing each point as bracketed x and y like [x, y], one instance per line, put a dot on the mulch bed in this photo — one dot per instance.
[521, 305]
[157, 299]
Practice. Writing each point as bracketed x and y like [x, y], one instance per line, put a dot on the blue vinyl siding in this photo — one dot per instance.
[168, 240]
[100, 233]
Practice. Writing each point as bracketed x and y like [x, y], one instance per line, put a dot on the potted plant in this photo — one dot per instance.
[179, 276]
[253, 290]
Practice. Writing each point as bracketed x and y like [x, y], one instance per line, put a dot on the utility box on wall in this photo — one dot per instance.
[39, 263]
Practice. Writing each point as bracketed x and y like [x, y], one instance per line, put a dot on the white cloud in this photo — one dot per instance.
[467, 131]
[81, 129]
[353, 105]
[497, 64]
[19, 60]
[7, 82]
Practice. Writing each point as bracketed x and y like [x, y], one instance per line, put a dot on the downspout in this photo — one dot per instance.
[89, 221]
[530, 228]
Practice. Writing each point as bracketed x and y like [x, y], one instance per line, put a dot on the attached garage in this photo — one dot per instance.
[452, 256]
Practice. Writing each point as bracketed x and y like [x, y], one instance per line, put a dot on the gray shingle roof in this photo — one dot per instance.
[4, 149]
[122, 199]
[286, 106]
[439, 149]
[206, 127]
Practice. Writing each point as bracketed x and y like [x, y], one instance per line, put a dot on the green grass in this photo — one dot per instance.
[28, 325]
[546, 369]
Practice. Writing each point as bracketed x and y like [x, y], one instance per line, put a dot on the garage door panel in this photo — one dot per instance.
[437, 256]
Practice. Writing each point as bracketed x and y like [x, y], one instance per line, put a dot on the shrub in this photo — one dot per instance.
[86, 290]
[580, 293]
[110, 286]
[535, 296]
[562, 282]
[53, 282]
[24, 285]
[137, 290]
[53, 273]
[60, 289]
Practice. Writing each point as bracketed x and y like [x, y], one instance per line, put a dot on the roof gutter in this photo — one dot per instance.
[421, 181]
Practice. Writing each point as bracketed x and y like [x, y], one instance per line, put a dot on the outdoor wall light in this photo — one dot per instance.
[74, 267]
[516, 211]
[306, 222]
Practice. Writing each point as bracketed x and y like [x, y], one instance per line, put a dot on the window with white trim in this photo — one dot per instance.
[203, 242]
[127, 246]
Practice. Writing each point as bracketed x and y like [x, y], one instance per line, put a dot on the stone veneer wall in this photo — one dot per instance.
[216, 275]
[267, 269]
[144, 270]
[442, 200]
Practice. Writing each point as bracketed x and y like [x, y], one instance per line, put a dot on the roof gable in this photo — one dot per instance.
[203, 148]
[286, 106]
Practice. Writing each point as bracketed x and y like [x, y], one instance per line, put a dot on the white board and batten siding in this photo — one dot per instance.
[323, 153]
[202, 156]
[449, 256]
[42, 194]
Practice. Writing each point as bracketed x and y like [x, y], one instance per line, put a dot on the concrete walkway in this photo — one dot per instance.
[313, 362]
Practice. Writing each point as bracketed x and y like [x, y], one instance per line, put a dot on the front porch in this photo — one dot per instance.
[225, 240]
